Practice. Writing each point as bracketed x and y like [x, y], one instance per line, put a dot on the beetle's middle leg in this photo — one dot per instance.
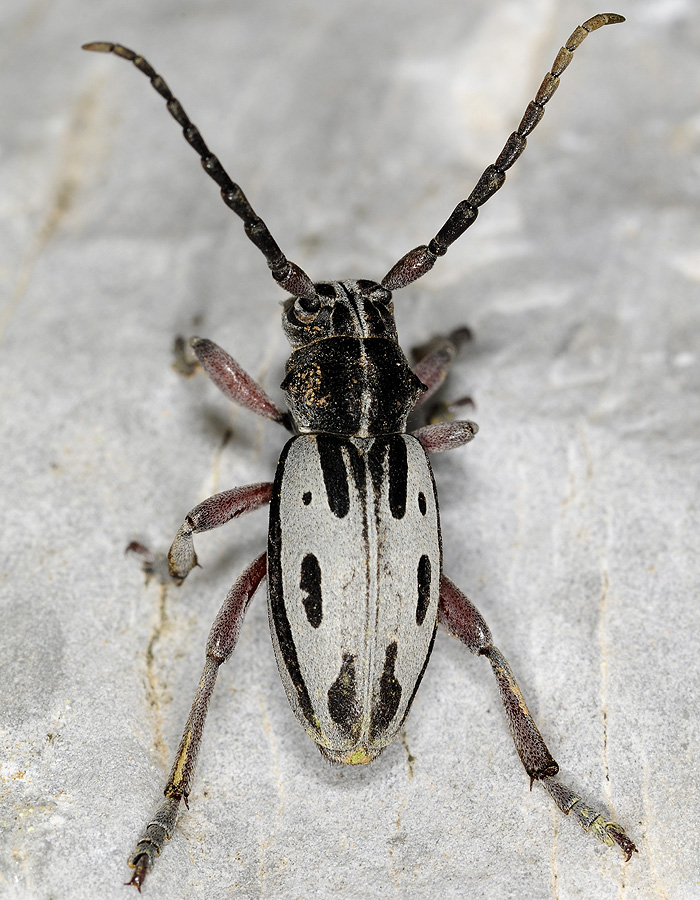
[209, 514]
[435, 361]
[461, 618]
[220, 644]
[442, 433]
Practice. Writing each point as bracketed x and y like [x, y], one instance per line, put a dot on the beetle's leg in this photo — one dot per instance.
[433, 368]
[434, 365]
[222, 639]
[184, 361]
[211, 513]
[421, 260]
[462, 619]
[236, 384]
[441, 436]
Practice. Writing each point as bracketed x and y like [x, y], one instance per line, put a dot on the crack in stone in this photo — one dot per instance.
[216, 462]
[267, 841]
[155, 693]
[78, 149]
[647, 817]
[555, 873]
[410, 759]
[604, 678]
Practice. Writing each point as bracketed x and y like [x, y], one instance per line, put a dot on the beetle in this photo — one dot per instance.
[352, 634]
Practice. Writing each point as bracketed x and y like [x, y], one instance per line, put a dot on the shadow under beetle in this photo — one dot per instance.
[352, 630]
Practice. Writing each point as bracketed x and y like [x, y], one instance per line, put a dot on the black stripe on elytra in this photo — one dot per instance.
[342, 696]
[423, 589]
[375, 463]
[420, 676]
[278, 610]
[385, 706]
[359, 472]
[398, 476]
[310, 582]
[389, 457]
[335, 475]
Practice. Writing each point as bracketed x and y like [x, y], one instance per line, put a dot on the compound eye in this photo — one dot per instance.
[306, 308]
[375, 292]
[383, 296]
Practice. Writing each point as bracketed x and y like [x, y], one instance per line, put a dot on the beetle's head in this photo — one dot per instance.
[339, 308]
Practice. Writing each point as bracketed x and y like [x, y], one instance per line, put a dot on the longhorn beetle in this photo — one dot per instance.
[352, 633]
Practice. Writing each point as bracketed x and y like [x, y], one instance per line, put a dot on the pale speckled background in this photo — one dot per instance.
[572, 520]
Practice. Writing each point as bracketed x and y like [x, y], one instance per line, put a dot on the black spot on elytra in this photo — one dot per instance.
[342, 696]
[421, 503]
[310, 582]
[306, 498]
[386, 704]
[423, 589]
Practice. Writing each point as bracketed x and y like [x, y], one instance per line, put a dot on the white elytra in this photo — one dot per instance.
[369, 589]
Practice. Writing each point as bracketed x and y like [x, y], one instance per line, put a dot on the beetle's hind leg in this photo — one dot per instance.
[220, 644]
[462, 619]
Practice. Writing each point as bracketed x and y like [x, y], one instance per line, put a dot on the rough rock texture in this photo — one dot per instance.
[572, 520]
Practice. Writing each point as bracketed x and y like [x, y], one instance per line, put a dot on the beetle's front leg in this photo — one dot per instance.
[211, 513]
[462, 619]
[222, 640]
[235, 383]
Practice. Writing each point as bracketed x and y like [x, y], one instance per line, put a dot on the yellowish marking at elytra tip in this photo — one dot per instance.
[182, 759]
[357, 757]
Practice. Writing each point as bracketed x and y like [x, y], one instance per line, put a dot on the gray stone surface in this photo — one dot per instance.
[572, 520]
